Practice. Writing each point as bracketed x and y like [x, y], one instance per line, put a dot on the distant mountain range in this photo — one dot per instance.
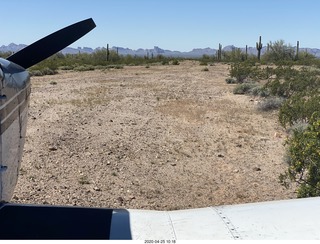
[195, 53]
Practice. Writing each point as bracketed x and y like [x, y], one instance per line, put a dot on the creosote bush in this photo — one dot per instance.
[294, 92]
[303, 157]
[270, 103]
[175, 62]
[244, 88]
[231, 81]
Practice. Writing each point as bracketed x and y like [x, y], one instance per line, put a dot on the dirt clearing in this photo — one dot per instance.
[164, 137]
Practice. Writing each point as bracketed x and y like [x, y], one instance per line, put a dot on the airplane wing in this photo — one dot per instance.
[297, 219]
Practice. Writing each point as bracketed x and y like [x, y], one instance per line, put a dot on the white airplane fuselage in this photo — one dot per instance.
[15, 91]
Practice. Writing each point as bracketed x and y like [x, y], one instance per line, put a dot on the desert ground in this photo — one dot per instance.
[164, 137]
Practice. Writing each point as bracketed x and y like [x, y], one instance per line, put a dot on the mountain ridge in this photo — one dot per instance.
[194, 53]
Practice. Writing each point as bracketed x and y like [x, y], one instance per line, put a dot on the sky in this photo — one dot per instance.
[179, 25]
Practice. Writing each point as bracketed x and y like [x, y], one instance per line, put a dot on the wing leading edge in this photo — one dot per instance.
[297, 219]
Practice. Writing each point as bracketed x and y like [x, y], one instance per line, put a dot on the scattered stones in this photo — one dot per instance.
[120, 199]
[257, 168]
[53, 148]
[167, 154]
[96, 188]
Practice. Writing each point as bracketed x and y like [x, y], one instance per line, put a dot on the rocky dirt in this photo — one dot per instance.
[164, 137]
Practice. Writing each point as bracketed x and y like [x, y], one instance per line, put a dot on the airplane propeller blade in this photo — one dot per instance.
[51, 44]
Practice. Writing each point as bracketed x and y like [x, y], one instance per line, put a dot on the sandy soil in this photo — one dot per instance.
[164, 137]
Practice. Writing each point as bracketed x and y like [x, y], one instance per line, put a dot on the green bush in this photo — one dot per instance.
[289, 81]
[304, 159]
[84, 68]
[279, 52]
[48, 71]
[35, 73]
[249, 71]
[231, 81]
[175, 62]
[165, 62]
[204, 63]
[241, 71]
[260, 91]
[45, 71]
[299, 108]
[244, 88]
[67, 67]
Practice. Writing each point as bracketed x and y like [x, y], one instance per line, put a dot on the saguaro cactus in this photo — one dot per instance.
[297, 51]
[259, 47]
[246, 52]
[108, 53]
[219, 52]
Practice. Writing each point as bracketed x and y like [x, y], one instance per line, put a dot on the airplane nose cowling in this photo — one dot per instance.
[14, 76]
[15, 91]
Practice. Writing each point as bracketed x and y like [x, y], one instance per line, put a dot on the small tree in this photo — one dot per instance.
[279, 51]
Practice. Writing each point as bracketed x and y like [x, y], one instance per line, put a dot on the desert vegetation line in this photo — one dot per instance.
[292, 87]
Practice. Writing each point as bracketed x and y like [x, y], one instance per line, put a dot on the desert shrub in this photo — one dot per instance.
[299, 108]
[35, 73]
[114, 66]
[100, 67]
[279, 51]
[235, 55]
[118, 66]
[205, 69]
[271, 103]
[204, 63]
[48, 71]
[165, 62]
[244, 88]
[260, 91]
[45, 71]
[5, 54]
[84, 68]
[289, 81]
[255, 90]
[305, 58]
[303, 157]
[175, 62]
[241, 71]
[249, 71]
[300, 126]
[231, 81]
[67, 67]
